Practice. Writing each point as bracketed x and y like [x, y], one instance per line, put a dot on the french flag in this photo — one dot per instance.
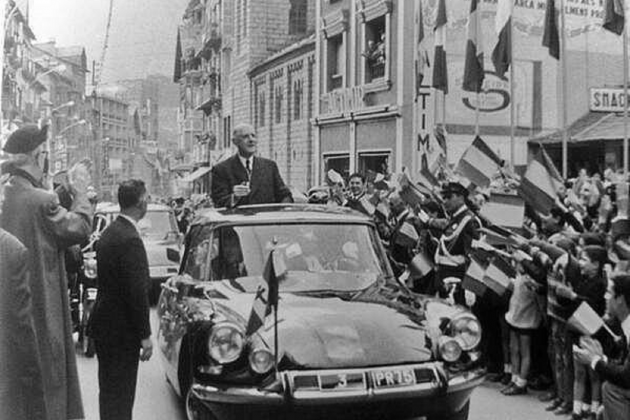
[440, 73]
[479, 163]
[538, 187]
[502, 53]
[473, 68]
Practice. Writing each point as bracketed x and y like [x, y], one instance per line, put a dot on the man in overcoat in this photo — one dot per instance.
[33, 215]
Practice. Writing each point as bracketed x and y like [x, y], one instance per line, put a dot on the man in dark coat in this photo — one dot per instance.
[120, 321]
[21, 392]
[616, 376]
[247, 179]
[34, 216]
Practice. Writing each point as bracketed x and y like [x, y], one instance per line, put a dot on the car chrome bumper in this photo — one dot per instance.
[461, 382]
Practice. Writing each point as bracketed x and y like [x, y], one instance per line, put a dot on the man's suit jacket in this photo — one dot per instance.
[617, 373]
[266, 184]
[121, 311]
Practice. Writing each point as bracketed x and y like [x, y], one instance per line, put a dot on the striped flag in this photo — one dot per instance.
[473, 279]
[479, 163]
[498, 276]
[537, 187]
[504, 210]
[585, 320]
[556, 178]
[366, 205]
[425, 176]
[440, 74]
[267, 295]
[551, 38]
[473, 67]
[422, 60]
[502, 53]
[614, 17]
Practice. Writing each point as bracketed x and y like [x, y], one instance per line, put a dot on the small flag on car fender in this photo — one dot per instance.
[267, 294]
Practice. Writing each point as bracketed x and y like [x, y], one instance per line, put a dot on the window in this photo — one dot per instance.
[375, 49]
[297, 17]
[336, 59]
[297, 99]
[279, 96]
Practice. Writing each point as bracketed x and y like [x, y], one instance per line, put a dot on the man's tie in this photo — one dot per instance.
[248, 167]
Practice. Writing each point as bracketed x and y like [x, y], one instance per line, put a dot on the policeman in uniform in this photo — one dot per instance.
[459, 230]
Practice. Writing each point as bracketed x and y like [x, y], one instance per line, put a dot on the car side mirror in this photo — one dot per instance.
[172, 255]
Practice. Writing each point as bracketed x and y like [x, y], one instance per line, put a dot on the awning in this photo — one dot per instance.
[591, 126]
[197, 174]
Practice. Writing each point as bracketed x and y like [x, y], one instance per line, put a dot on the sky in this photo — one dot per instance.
[142, 36]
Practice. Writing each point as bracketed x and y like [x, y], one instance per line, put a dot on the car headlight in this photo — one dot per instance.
[261, 360]
[466, 329]
[449, 348]
[89, 268]
[225, 343]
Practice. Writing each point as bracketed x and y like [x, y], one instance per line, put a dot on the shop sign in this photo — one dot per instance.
[341, 101]
[606, 99]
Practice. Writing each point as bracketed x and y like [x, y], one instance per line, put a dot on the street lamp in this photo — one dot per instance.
[80, 122]
[66, 105]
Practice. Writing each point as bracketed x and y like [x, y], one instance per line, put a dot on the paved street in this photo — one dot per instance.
[156, 401]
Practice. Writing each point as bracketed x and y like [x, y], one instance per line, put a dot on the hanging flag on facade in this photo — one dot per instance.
[479, 163]
[614, 18]
[551, 37]
[440, 73]
[502, 53]
[422, 60]
[473, 67]
[537, 187]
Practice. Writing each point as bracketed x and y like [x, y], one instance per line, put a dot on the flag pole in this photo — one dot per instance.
[625, 102]
[512, 130]
[477, 114]
[563, 63]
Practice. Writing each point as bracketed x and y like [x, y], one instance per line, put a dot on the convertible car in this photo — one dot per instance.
[345, 340]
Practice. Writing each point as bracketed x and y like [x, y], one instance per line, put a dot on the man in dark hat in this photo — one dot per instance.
[33, 215]
[455, 243]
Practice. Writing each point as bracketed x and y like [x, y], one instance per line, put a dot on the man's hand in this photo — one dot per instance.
[582, 356]
[592, 345]
[241, 190]
[79, 177]
[147, 349]
[566, 292]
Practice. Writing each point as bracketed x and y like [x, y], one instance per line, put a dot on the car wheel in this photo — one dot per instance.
[196, 410]
[460, 415]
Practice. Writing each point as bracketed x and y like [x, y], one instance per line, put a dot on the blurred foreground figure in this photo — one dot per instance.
[21, 393]
[35, 217]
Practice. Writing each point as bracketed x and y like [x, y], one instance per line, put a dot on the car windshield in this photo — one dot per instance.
[331, 257]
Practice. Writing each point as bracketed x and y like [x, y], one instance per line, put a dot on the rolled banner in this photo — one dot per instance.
[421, 265]
[585, 320]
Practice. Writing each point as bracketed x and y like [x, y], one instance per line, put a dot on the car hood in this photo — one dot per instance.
[327, 331]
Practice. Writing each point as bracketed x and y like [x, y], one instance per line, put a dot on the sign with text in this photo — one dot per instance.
[343, 100]
[606, 99]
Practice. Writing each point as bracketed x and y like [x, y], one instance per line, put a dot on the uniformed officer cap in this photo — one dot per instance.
[25, 139]
[454, 188]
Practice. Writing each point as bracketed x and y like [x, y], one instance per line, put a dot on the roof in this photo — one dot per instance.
[583, 123]
[293, 49]
[115, 208]
[287, 213]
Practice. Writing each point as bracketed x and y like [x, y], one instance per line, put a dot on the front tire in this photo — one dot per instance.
[460, 415]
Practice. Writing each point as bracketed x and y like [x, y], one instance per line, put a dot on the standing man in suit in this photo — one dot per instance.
[120, 321]
[245, 178]
[616, 376]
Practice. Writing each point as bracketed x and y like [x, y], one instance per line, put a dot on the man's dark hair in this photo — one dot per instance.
[621, 286]
[130, 192]
[357, 175]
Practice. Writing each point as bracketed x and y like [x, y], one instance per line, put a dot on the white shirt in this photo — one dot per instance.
[625, 327]
[132, 221]
[244, 163]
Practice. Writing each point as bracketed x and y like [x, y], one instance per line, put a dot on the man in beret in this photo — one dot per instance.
[455, 243]
[33, 215]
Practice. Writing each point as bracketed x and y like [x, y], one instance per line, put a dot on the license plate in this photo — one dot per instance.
[390, 378]
[91, 293]
[342, 382]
